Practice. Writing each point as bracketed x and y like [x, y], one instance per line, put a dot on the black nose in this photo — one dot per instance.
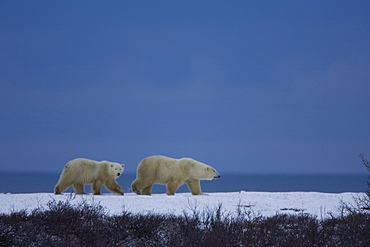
[218, 176]
[118, 174]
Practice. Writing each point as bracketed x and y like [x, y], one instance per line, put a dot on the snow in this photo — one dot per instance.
[257, 203]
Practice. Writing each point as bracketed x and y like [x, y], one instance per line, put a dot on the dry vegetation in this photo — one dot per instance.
[63, 224]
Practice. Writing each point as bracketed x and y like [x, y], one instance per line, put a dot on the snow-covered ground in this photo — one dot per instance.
[259, 203]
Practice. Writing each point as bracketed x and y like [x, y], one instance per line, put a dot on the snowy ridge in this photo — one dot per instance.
[259, 203]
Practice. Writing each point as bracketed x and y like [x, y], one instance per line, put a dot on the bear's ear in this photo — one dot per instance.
[111, 165]
[123, 165]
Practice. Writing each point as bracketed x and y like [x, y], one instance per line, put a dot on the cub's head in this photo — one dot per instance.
[116, 169]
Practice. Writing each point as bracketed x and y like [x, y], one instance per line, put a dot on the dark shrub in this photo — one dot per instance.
[64, 224]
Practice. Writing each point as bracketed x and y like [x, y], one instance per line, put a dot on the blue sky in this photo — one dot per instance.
[244, 86]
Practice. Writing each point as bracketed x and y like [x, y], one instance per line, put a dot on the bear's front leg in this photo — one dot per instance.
[194, 186]
[96, 186]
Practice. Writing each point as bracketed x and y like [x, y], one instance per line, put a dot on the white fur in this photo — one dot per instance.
[173, 173]
[79, 172]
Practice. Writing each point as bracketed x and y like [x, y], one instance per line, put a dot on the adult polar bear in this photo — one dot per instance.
[173, 173]
[81, 171]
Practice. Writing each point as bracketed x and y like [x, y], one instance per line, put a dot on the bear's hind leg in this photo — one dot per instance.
[57, 191]
[79, 189]
[135, 187]
[60, 187]
[139, 185]
[113, 186]
[147, 190]
[172, 186]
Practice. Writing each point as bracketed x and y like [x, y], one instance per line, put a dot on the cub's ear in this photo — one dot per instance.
[123, 165]
[111, 165]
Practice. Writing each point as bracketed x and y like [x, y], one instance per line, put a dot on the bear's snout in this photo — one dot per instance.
[217, 176]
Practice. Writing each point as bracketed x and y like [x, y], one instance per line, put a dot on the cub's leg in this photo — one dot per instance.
[96, 186]
[113, 186]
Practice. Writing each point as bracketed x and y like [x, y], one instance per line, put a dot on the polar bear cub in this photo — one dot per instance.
[79, 172]
[173, 173]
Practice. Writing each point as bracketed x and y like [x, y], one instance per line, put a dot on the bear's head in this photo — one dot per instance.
[209, 173]
[200, 170]
[116, 169]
